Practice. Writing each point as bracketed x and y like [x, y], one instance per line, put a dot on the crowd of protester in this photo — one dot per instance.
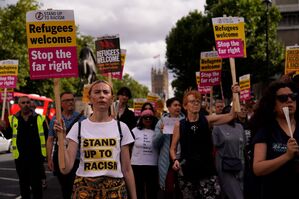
[187, 152]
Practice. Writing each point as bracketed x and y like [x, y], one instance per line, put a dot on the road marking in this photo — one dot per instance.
[10, 179]
[7, 169]
[7, 194]
[19, 197]
[12, 169]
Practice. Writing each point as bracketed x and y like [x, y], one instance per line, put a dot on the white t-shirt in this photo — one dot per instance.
[100, 147]
[144, 153]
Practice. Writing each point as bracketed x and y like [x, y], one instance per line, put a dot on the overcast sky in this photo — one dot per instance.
[141, 24]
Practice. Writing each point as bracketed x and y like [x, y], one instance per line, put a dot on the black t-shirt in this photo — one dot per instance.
[128, 117]
[284, 182]
[197, 149]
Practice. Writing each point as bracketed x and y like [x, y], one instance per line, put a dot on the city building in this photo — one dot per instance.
[159, 79]
[288, 29]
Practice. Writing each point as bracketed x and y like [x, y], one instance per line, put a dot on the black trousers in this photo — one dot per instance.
[29, 172]
[146, 180]
[66, 181]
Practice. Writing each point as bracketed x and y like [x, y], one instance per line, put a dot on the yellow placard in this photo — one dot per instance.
[152, 98]
[51, 34]
[244, 82]
[292, 59]
[197, 77]
[85, 97]
[227, 31]
[8, 69]
[210, 64]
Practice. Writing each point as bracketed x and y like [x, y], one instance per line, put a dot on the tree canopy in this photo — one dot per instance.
[14, 46]
[193, 34]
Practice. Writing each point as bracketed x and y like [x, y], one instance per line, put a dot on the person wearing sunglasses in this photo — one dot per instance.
[276, 149]
[144, 158]
[28, 129]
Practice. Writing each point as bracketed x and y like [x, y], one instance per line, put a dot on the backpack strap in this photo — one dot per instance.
[120, 131]
[75, 120]
[79, 135]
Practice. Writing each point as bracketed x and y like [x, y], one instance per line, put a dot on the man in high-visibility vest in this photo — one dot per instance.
[28, 131]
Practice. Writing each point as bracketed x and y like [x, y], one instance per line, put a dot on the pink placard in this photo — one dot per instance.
[9, 96]
[230, 48]
[54, 62]
[245, 95]
[8, 81]
[210, 78]
[115, 75]
[204, 89]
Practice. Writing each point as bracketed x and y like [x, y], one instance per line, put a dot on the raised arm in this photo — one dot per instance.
[221, 118]
[225, 118]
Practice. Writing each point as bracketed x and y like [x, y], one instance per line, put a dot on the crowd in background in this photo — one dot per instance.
[187, 152]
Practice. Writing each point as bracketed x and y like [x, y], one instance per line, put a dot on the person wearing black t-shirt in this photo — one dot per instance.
[197, 162]
[276, 151]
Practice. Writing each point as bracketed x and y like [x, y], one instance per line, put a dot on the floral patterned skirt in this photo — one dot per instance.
[207, 188]
[99, 188]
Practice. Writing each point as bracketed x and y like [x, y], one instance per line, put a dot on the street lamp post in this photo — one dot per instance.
[268, 4]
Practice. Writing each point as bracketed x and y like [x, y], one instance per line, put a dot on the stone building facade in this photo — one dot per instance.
[160, 82]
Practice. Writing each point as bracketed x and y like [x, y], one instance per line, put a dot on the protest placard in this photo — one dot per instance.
[8, 73]
[8, 80]
[168, 123]
[244, 82]
[119, 74]
[137, 105]
[229, 36]
[210, 68]
[9, 94]
[51, 39]
[108, 54]
[201, 89]
[292, 59]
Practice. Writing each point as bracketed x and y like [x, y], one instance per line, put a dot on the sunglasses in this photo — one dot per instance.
[147, 117]
[26, 102]
[284, 98]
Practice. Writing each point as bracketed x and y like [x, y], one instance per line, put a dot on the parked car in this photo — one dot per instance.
[5, 144]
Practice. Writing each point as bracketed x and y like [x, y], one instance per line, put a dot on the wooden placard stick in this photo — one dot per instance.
[235, 95]
[112, 109]
[3, 104]
[8, 108]
[60, 135]
[211, 100]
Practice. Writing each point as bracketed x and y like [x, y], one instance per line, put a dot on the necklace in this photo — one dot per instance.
[194, 128]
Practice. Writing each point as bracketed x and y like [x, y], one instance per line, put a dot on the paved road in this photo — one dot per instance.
[9, 181]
